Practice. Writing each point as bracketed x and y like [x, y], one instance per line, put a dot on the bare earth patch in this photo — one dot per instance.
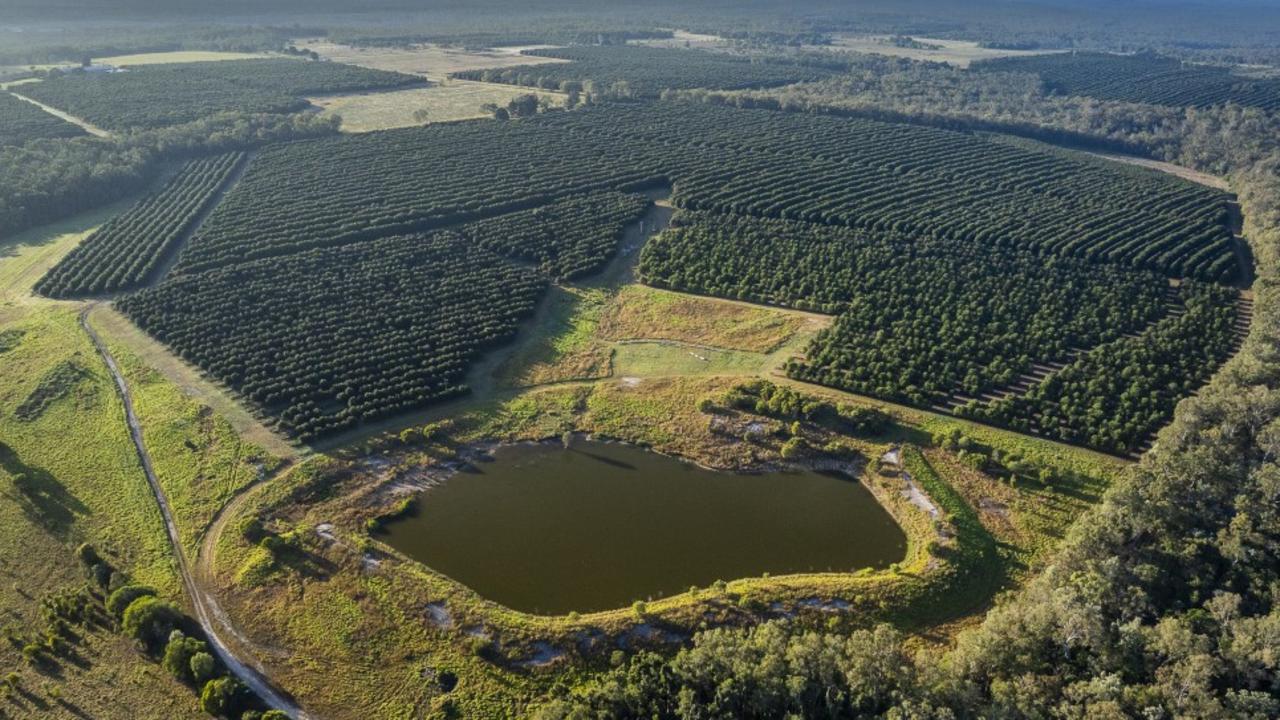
[433, 61]
[956, 52]
[639, 312]
[447, 101]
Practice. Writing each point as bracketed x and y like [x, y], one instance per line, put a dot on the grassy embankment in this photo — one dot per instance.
[69, 475]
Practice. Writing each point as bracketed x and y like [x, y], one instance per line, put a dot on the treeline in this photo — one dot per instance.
[75, 42]
[45, 180]
[20, 122]
[1142, 78]
[126, 251]
[918, 181]
[152, 96]
[626, 72]
[1214, 139]
[548, 34]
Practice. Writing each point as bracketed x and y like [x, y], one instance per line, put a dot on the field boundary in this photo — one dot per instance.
[61, 115]
[169, 256]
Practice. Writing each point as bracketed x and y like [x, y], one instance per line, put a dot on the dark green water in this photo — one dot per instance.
[548, 530]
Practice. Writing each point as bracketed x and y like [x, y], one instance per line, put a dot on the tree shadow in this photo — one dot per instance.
[21, 697]
[44, 500]
[73, 709]
[304, 563]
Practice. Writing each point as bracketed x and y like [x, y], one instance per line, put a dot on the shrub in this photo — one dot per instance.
[151, 621]
[793, 448]
[202, 667]
[88, 555]
[223, 697]
[122, 598]
[178, 656]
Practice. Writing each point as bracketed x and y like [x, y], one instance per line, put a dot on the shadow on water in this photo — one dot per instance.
[838, 475]
[44, 500]
[612, 462]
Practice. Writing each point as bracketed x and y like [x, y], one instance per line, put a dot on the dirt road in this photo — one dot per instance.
[205, 607]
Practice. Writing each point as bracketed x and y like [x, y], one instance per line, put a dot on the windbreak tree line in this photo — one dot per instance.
[129, 248]
[152, 96]
[917, 181]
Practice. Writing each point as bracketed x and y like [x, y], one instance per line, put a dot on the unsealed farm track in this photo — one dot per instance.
[203, 604]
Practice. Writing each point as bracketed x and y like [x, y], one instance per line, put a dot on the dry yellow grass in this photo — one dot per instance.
[432, 61]
[179, 56]
[640, 312]
[956, 52]
[446, 102]
[685, 39]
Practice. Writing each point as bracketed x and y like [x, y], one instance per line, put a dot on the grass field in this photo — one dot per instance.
[955, 52]
[27, 256]
[178, 56]
[614, 327]
[666, 358]
[69, 475]
[685, 39]
[433, 61]
[445, 102]
[78, 447]
[200, 458]
[641, 312]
